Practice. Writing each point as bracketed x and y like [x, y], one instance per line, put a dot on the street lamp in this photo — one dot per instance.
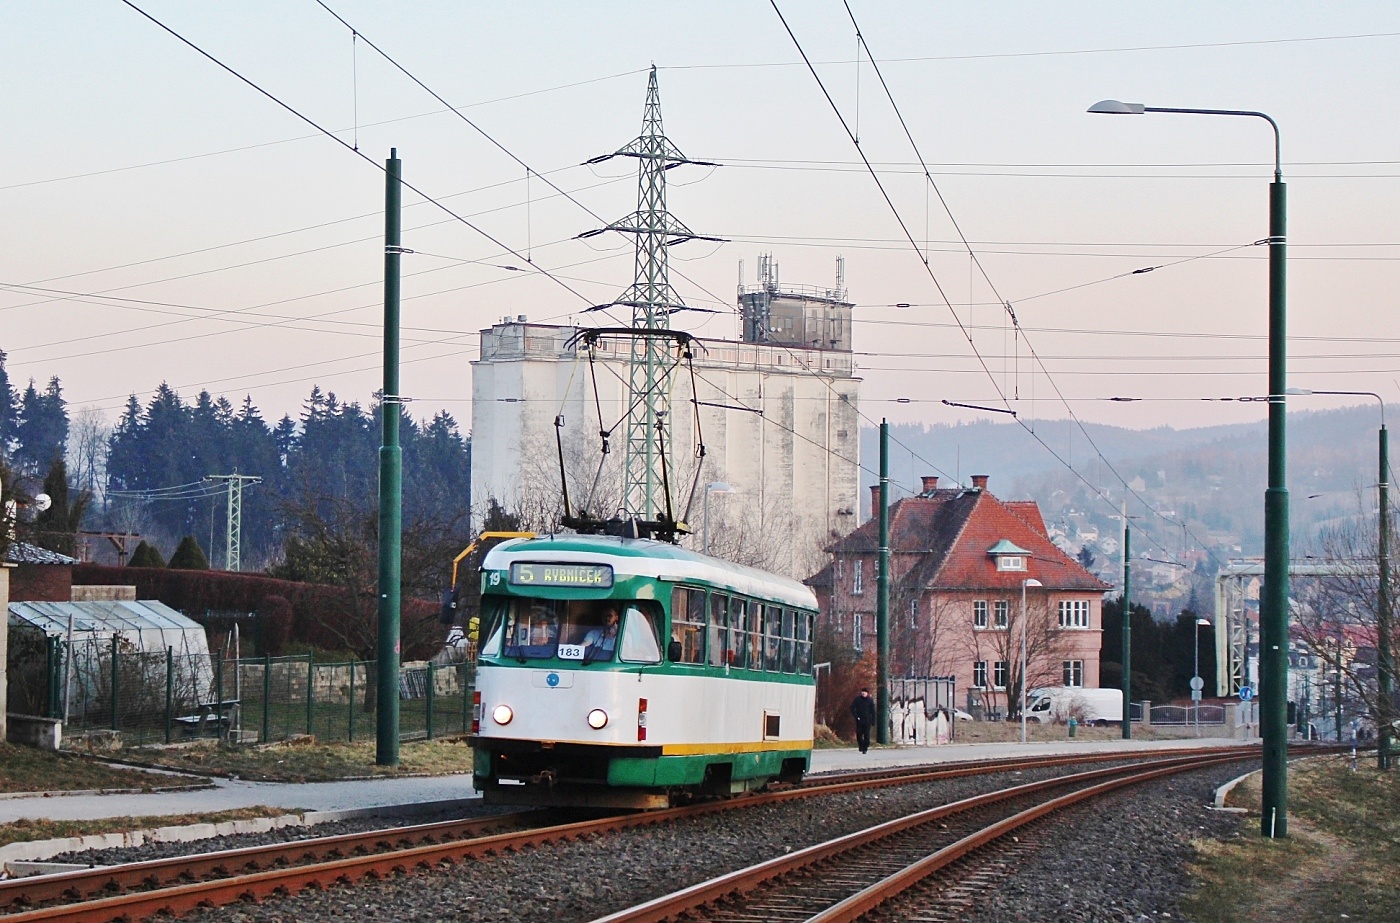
[1029, 581]
[714, 487]
[1197, 684]
[1273, 604]
[1385, 668]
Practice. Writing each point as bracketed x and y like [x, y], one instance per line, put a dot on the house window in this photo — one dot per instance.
[1003, 611]
[979, 674]
[979, 614]
[1074, 672]
[858, 631]
[1011, 562]
[1074, 613]
[914, 613]
[858, 578]
[999, 674]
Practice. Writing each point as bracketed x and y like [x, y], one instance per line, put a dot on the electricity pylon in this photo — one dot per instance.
[234, 541]
[653, 301]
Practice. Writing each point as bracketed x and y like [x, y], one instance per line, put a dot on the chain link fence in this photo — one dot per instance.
[164, 698]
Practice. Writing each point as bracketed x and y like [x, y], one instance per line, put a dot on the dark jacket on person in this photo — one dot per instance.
[863, 709]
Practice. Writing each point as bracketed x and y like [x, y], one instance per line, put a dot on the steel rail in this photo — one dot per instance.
[82, 884]
[736, 883]
[862, 902]
[441, 842]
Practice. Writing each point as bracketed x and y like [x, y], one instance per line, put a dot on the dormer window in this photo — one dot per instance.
[1009, 556]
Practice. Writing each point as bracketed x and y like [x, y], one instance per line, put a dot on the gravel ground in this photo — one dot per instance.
[1122, 858]
[582, 880]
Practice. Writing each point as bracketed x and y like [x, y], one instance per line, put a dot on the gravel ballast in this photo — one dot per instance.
[582, 880]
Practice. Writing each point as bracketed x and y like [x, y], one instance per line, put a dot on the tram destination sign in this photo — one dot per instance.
[587, 576]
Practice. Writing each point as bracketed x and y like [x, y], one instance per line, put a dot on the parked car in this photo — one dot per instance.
[1057, 704]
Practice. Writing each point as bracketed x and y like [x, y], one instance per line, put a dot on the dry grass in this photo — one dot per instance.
[1338, 862]
[26, 831]
[983, 732]
[304, 760]
[25, 769]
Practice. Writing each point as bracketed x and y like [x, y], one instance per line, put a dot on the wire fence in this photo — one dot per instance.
[164, 698]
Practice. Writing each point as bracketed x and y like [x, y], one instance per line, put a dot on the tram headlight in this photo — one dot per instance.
[502, 714]
[597, 719]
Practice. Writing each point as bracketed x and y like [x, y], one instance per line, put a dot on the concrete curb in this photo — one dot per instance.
[39, 850]
[1224, 791]
[159, 790]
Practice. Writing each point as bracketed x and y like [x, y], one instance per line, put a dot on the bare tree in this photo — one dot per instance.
[89, 438]
[1335, 616]
[1045, 645]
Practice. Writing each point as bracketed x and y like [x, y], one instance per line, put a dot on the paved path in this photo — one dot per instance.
[371, 793]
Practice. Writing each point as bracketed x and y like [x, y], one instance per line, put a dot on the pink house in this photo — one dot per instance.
[961, 563]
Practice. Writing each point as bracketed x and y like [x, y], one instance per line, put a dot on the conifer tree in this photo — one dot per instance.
[188, 556]
[145, 555]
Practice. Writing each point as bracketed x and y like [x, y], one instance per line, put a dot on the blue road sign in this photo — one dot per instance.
[1246, 693]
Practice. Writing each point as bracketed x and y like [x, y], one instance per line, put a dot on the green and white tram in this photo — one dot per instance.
[621, 672]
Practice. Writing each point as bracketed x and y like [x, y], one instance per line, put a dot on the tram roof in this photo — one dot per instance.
[643, 557]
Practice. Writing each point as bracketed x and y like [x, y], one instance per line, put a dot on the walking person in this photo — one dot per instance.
[863, 710]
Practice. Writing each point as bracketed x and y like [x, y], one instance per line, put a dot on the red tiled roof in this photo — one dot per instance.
[950, 532]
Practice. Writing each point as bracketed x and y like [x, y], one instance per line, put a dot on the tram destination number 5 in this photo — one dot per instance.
[584, 576]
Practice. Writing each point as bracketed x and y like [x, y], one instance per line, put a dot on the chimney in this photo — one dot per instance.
[874, 501]
[930, 483]
[979, 482]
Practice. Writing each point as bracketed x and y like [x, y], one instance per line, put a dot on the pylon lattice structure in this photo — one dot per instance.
[234, 540]
[653, 301]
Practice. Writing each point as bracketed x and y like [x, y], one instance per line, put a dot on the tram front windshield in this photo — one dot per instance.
[589, 631]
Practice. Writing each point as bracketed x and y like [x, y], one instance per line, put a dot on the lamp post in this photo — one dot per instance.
[1197, 684]
[1273, 607]
[1029, 581]
[714, 487]
[1385, 667]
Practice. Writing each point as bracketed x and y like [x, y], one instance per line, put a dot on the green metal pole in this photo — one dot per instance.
[310, 694]
[1273, 607]
[267, 699]
[51, 649]
[115, 683]
[466, 697]
[1384, 654]
[350, 734]
[390, 485]
[882, 597]
[169, 694]
[219, 693]
[1127, 630]
[432, 682]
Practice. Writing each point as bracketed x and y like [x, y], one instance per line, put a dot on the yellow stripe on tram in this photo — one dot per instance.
[752, 747]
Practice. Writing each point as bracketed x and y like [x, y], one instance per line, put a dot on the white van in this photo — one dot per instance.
[1057, 704]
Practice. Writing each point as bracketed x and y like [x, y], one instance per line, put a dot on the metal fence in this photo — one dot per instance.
[1187, 714]
[163, 698]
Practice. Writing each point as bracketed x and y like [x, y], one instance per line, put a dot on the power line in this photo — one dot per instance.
[338, 140]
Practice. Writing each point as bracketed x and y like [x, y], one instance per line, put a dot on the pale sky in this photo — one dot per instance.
[174, 224]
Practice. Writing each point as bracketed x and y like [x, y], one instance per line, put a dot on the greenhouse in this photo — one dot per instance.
[91, 662]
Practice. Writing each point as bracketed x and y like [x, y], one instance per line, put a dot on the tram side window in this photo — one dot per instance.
[772, 637]
[719, 606]
[804, 642]
[688, 623]
[789, 641]
[640, 641]
[737, 654]
[755, 636]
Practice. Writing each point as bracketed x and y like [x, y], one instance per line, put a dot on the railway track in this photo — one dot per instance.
[846, 878]
[135, 891]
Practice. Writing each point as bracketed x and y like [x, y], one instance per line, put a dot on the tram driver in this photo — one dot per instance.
[600, 642]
